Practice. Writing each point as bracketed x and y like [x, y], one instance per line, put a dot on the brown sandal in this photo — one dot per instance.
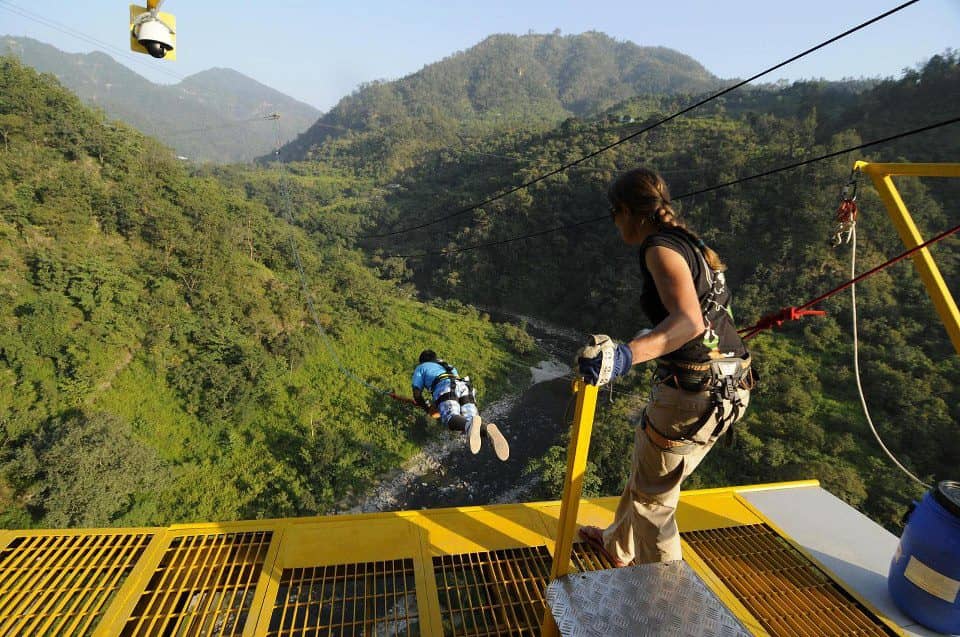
[593, 535]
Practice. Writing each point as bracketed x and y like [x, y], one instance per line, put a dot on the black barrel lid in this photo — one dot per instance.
[947, 493]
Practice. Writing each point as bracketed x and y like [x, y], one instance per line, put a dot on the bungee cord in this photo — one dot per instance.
[305, 289]
[856, 359]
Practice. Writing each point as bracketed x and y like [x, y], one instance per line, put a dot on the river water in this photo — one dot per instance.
[446, 474]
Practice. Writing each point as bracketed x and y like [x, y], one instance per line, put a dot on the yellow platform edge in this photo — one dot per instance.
[422, 536]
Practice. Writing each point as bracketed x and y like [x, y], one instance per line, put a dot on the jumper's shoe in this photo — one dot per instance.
[500, 446]
[593, 536]
[474, 434]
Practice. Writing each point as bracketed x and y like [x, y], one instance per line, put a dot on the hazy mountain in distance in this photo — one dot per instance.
[201, 117]
[509, 81]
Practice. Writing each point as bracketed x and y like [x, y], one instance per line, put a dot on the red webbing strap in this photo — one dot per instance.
[793, 313]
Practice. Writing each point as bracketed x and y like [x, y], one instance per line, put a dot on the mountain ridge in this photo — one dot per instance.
[508, 81]
[201, 117]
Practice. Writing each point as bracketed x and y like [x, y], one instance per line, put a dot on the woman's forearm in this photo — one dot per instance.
[669, 335]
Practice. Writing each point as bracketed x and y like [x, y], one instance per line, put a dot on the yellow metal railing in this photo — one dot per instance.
[572, 488]
[882, 177]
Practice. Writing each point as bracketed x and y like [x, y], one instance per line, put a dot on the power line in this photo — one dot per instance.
[727, 184]
[204, 129]
[623, 140]
[798, 164]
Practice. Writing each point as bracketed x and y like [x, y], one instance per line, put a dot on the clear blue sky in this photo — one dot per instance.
[320, 50]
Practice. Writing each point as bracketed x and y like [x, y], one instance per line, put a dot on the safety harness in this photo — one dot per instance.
[721, 377]
[711, 302]
[449, 374]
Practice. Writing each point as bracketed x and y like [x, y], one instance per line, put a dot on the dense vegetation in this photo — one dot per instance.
[773, 233]
[153, 310]
[204, 117]
[157, 360]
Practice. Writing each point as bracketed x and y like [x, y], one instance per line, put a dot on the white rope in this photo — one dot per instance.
[856, 362]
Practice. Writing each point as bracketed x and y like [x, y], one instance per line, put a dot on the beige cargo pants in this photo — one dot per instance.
[644, 528]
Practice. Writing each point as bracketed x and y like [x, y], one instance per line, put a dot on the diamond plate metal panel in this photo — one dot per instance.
[652, 599]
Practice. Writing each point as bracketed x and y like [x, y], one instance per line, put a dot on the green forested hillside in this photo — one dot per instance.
[157, 361]
[508, 82]
[773, 233]
[155, 339]
[198, 116]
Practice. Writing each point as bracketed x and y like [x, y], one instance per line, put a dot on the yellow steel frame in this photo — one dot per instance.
[882, 177]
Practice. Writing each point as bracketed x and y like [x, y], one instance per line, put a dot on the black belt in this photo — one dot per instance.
[683, 379]
[698, 377]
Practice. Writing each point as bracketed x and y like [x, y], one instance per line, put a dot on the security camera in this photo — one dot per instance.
[154, 35]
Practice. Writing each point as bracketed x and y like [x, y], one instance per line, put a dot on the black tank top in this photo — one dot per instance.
[693, 350]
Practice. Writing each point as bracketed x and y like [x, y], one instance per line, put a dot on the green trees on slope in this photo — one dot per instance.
[774, 235]
[157, 308]
[157, 360]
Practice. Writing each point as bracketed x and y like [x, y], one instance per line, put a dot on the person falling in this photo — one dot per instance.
[454, 398]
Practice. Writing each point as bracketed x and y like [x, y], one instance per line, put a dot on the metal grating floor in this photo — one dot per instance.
[373, 598]
[788, 594]
[203, 585]
[500, 592]
[61, 584]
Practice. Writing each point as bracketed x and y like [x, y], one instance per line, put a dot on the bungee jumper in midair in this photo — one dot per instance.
[454, 397]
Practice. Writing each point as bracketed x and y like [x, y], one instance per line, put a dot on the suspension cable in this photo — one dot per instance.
[633, 135]
[856, 361]
[232, 124]
[606, 217]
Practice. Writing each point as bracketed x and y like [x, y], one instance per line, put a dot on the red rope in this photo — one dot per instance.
[777, 319]
[402, 399]
[794, 313]
[431, 411]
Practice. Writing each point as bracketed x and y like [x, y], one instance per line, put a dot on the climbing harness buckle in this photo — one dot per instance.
[728, 376]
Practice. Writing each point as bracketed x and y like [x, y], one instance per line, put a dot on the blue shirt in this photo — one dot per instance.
[426, 373]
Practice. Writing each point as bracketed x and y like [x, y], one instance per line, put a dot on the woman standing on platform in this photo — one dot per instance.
[702, 381]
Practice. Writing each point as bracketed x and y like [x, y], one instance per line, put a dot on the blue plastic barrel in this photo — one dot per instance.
[924, 576]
